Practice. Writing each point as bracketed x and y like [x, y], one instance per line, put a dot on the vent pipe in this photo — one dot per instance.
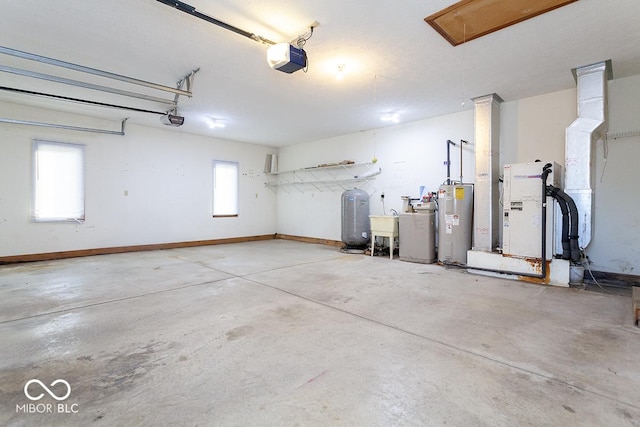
[486, 191]
[580, 137]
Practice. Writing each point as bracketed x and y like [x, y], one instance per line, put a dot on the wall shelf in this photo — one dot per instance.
[326, 178]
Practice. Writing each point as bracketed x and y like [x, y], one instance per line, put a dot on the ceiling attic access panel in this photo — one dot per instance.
[470, 19]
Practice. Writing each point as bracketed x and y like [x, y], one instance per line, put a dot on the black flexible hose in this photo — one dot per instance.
[553, 192]
[573, 233]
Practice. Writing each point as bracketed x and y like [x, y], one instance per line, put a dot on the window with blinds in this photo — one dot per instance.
[58, 181]
[225, 188]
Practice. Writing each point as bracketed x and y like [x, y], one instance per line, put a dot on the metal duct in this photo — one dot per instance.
[486, 198]
[580, 136]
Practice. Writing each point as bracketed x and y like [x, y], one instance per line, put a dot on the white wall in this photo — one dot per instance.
[534, 128]
[412, 154]
[615, 245]
[167, 175]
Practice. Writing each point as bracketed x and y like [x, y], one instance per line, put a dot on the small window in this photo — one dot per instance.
[225, 189]
[58, 181]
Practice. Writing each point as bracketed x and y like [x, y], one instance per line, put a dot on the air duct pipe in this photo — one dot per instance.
[486, 207]
[580, 136]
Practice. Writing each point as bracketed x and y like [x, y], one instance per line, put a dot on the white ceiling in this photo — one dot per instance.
[394, 61]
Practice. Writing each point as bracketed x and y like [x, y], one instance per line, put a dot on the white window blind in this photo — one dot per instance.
[58, 181]
[225, 188]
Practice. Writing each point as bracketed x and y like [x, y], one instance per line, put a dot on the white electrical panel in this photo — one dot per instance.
[522, 209]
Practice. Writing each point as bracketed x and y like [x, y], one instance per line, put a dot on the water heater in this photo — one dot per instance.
[455, 217]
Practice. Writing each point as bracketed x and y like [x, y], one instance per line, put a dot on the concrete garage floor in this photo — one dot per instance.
[287, 333]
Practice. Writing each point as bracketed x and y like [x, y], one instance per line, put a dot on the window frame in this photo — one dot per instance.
[35, 166]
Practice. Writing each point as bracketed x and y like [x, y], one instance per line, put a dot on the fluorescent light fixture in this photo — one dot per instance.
[390, 117]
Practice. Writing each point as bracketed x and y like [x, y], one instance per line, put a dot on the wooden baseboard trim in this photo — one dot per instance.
[314, 240]
[635, 304]
[612, 279]
[48, 256]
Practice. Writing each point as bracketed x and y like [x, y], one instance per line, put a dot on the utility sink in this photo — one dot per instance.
[382, 225]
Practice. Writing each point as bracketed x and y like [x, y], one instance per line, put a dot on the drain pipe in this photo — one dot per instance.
[449, 144]
[546, 170]
[462, 141]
